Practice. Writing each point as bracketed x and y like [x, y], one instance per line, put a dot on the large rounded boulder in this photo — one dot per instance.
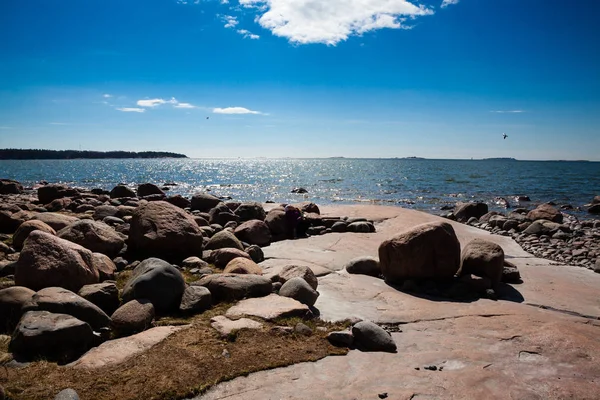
[464, 211]
[158, 281]
[95, 236]
[428, 251]
[26, 228]
[48, 193]
[47, 260]
[482, 258]
[121, 191]
[250, 210]
[241, 265]
[224, 239]
[204, 202]
[277, 223]
[160, 229]
[56, 220]
[12, 300]
[547, 212]
[149, 189]
[254, 232]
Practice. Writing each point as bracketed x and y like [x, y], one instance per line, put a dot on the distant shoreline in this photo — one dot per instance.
[34, 154]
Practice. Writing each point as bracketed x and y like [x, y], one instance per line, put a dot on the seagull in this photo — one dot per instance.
[207, 117]
[504, 135]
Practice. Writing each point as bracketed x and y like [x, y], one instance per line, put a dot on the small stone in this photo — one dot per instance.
[372, 337]
[226, 353]
[282, 330]
[431, 368]
[67, 394]
[341, 338]
[382, 395]
[303, 329]
[298, 289]
[196, 299]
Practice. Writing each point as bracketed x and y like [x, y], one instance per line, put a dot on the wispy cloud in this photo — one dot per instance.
[447, 3]
[230, 21]
[247, 34]
[132, 109]
[184, 105]
[332, 21]
[234, 110]
[107, 96]
[6, 127]
[155, 102]
[59, 123]
[508, 111]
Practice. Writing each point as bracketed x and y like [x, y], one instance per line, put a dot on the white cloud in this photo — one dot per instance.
[107, 96]
[247, 34]
[447, 3]
[132, 109]
[332, 21]
[234, 110]
[224, 1]
[155, 102]
[5, 127]
[230, 21]
[184, 105]
[508, 111]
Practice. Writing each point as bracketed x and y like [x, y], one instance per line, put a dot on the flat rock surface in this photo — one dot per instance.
[117, 351]
[541, 341]
[225, 326]
[269, 308]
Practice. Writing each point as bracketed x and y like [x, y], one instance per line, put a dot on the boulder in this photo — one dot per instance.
[427, 251]
[294, 271]
[104, 211]
[249, 211]
[510, 273]
[204, 202]
[276, 222]
[221, 257]
[364, 265]
[52, 336]
[62, 301]
[542, 227]
[55, 220]
[12, 300]
[254, 232]
[95, 236]
[596, 200]
[59, 204]
[105, 266]
[228, 287]
[547, 212]
[464, 211]
[149, 189]
[10, 221]
[133, 316]
[160, 229]
[121, 191]
[67, 394]
[105, 295]
[9, 186]
[222, 240]
[360, 227]
[195, 300]
[48, 193]
[47, 261]
[158, 281]
[26, 228]
[341, 338]
[594, 209]
[482, 258]
[241, 265]
[339, 227]
[298, 289]
[179, 201]
[255, 253]
[307, 207]
[371, 337]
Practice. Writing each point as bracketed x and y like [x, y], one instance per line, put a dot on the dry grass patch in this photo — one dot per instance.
[185, 364]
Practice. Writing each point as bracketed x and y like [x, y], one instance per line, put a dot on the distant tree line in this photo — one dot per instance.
[37, 154]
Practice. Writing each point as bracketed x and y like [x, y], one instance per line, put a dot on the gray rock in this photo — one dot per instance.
[360, 227]
[224, 239]
[58, 337]
[194, 262]
[339, 226]
[26, 228]
[303, 329]
[255, 253]
[341, 338]
[364, 266]
[298, 289]
[105, 295]
[292, 271]
[95, 236]
[62, 301]
[67, 394]
[196, 299]
[228, 287]
[157, 281]
[482, 258]
[371, 337]
[133, 316]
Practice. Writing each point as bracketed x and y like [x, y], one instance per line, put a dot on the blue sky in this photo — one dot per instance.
[303, 78]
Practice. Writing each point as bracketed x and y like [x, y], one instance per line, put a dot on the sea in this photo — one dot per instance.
[423, 184]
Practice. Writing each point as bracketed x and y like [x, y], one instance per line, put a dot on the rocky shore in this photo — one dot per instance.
[543, 231]
[93, 278]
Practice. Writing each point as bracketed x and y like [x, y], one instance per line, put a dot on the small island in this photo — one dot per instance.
[37, 154]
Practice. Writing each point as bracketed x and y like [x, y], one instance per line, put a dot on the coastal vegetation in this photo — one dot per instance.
[40, 154]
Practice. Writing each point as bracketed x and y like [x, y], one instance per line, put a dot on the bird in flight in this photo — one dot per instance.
[504, 135]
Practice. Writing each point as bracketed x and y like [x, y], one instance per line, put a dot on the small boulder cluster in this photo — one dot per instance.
[427, 259]
[81, 267]
[544, 231]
